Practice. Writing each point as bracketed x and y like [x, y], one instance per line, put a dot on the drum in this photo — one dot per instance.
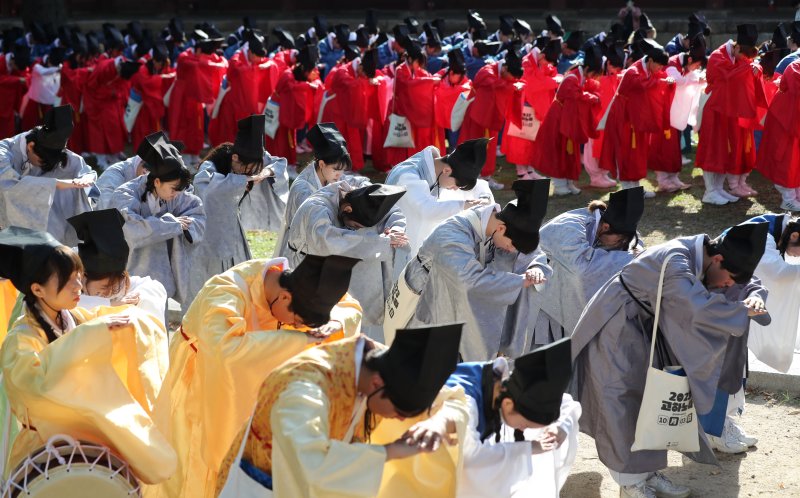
[66, 468]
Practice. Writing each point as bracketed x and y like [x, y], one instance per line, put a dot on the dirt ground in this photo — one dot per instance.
[772, 468]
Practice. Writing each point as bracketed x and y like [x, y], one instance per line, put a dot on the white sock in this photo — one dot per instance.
[787, 194]
[630, 184]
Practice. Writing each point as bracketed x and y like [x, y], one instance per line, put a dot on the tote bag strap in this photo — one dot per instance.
[658, 305]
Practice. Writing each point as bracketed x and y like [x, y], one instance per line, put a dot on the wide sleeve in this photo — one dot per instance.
[46, 384]
[232, 362]
[190, 205]
[109, 180]
[307, 462]
[142, 231]
[420, 204]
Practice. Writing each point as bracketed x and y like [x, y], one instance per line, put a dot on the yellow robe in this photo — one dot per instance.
[8, 298]
[210, 392]
[299, 427]
[93, 384]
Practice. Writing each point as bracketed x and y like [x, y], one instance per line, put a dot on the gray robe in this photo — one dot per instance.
[114, 176]
[224, 242]
[262, 208]
[611, 348]
[579, 270]
[455, 286]
[316, 229]
[29, 197]
[306, 183]
[159, 248]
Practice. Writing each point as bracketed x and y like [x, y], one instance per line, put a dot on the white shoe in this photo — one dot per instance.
[640, 490]
[726, 445]
[493, 184]
[730, 197]
[649, 194]
[685, 160]
[561, 191]
[714, 197]
[793, 205]
[665, 488]
[499, 153]
[572, 188]
[739, 433]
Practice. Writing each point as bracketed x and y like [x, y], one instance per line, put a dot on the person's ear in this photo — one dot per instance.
[717, 258]
[794, 236]
[501, 229]
[347, 208]
[37, 290]
[235, 158]
[285, 297]
[447, 171]
[157, 182]
[507, 405]
[375, 382]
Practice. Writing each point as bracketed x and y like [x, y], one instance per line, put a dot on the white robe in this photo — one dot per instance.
[114, 176]
[263, 207]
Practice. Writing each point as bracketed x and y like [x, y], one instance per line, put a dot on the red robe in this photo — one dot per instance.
[246, 82]
[73, 84]
[664, 151]
[771, 86]
[730, 114]
[640, 107]
[104, 102]
[297, 104]
[414, 98]
[779, 153]
[570, 122]
[197, 83]
[608, 88]
[152, 88]
[540, 89]
[486, 115]
[11, 92]
[446, 96]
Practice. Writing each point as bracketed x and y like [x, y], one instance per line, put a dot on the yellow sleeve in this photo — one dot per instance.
[306, 461]
[232, 362]
[89, 384]
[426, 474]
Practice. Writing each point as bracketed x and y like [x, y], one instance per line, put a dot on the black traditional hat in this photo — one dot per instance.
[308, 57]
[432, 38]
[474, 20]
[371, 22]
[249, 142]
[214, 35]
[320, 282]
[176, 29]
[128, 68]
[92, 44]
[256, 43]
[625, 209]
[456, 63]
[747, 35]
[327, 141]
[575, 39]
[362, 37]
[554, 26]
[514, 61]
[616, 54]
[400, 31]
[780, 38]
[539, 380]
[522, 27]
[79, 43]
[698, 24]
[644, 23]
[22, 254]
[103, 248]
[135, 31]
[796, 32]
[56, 129]
[413, 25]
[697, 48]
[38, 33]
[369, 61]
[321, 27]
[417, 364]
[617, 32]
[56, 55]
[487, 48]
[351, 52]
[372, 203]
[342, 32]
[22, 56]
[742, 247]
[593, 58]
[113, 38]
[552, 50]
[160, 51]
[439, 24]
[283, 37]
[467, 160]
[161, 156]
[524, 216]
[507, 25]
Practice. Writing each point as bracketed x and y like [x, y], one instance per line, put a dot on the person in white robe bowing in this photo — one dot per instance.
[426, 174]
[362, 223]
[42, 183]
[225, 177]
[584, 247]
[515, 418]
[470, 268]
[311, 430]
[163, 221]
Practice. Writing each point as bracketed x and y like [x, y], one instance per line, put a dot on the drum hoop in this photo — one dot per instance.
[17, 483]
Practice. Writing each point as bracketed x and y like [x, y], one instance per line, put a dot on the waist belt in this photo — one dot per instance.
[190, 340]
[256, 474]
[292, 248]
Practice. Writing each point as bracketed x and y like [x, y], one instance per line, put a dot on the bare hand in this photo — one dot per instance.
[263, 175]
[401, 449]
[552, 437]
[755, 306]
[428, 435]
[396, 239]
[669, 80]
[325, 331]
[114, 322]
[185, 222]
[535, 276]
[131, 299]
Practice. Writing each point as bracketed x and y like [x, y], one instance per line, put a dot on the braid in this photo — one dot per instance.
[30, 302]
